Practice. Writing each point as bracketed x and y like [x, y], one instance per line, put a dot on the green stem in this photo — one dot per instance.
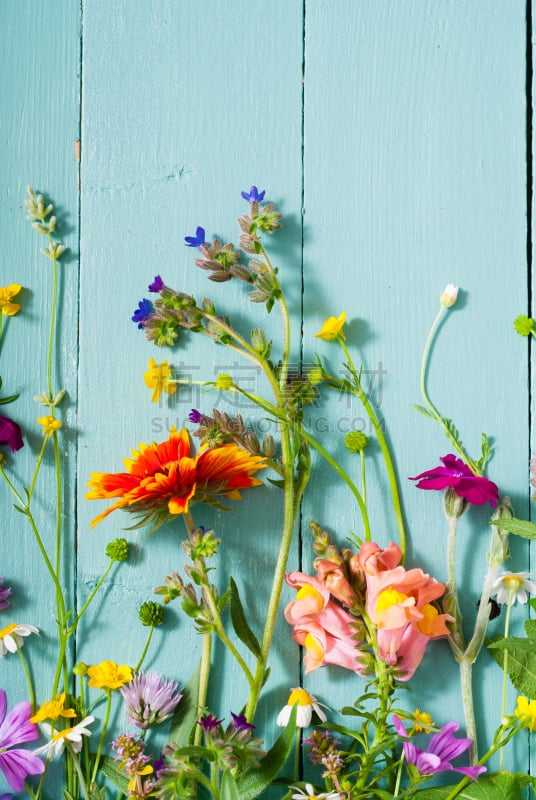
[52, 330]
[144, 651]
[386, 452]
[297, 754]
[102, 736]
[431, 407]
[37, 467]
[363, 478]
[221, 634]
[89, 600]
[466, 677]
[28, 678]
[456, 639]
[78, 768]
[511, 596]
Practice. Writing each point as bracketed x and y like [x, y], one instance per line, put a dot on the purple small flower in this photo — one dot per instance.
[143, 312]
[16, 728]
[195, 416]
[197, 240]
[4, 602]
[209, 722]
[457, 475]
[157, 285]
[6, 796]
[442, 748]
[253, 196]
[150, 699]
[10, 434]
[241, 723]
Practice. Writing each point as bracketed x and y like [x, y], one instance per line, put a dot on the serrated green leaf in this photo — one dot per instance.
[256, 781]
[498, 786]
[530, 628]
[240, 623]
[185, 717]
[229, 789]
[423, 410]
[519, 527]
[521, 662]
[108, 767]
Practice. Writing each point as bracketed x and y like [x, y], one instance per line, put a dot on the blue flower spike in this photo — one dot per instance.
[253, 196]
[197, 240]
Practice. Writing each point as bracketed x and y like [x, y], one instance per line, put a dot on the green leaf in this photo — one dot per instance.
[423, 410]
[185, 717]
[519, 527]
[498, 786]
[108, 767]
[278, 483]
[485, 452]
[521, 662]
[229, 789]
[530, 628]
[10, 399]
[240, 623]
[257, 780]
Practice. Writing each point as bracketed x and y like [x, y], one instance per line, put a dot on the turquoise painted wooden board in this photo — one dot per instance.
[392, 135]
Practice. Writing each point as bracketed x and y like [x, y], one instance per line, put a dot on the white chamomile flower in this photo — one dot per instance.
[11, 638]
[306, 705]
[58, 739]
[309, 794]
[513, 587]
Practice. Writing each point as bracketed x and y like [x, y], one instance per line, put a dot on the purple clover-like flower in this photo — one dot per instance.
[4, 602]
[195, 416]
[209, 722]
[150, 699]
[10, 434]
[442, 749]
[455, 474]
[16, 728]
[197, 240]
[253, 196]
[241, 723]
[143, 312]
[157, 285]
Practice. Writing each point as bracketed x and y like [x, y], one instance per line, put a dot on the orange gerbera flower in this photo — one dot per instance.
[162, 480]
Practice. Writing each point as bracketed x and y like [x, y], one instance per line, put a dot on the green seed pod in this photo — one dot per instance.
[355, 441]
[117, 550]
[151, 613]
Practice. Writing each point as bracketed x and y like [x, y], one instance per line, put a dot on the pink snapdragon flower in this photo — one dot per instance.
[321, 626]
[455, 474]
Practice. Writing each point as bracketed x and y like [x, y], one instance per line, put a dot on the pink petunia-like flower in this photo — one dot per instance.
[10, 434]
[16, 728]
[455, 474]
[442, 749]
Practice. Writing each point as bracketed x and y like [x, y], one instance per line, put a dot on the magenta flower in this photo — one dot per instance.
[10, 434]
[150, 699]
[455, 474]
[209, 722]
[241, 723]
[157, 285]
[4, 602]
[16, 728]
[443, 747]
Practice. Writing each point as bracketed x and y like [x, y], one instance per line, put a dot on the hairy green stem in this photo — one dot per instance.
[511, 596]
[466, 677]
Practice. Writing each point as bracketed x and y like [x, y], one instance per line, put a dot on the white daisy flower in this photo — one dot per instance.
[309, 794]
[449, 295]
[306, 705]
[73, 735]
[513, 585]
[11, 638]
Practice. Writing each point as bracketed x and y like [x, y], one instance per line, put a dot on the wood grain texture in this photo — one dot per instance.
[409, 147]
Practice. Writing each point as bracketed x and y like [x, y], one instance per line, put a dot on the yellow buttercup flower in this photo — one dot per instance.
[53, 709]
[526, 711]
[49, 424]
[423, 722]
[6, 294]
[157, 378]
[332, 328]
[108, 675]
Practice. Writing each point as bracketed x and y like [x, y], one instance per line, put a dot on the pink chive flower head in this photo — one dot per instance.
[16, 728]
[4, 594]
[455, 474]
[443, 747]
[150, 699]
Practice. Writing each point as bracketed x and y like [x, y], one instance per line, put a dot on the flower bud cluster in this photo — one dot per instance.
[151, 614]
[221, 428]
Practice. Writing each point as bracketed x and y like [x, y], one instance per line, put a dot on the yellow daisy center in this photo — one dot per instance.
[8, 630]
[300, 697]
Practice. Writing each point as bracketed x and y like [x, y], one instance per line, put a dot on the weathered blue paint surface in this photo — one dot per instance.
[393, 137]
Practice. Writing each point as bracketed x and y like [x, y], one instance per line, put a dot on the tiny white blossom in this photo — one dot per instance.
[449, 295]
[309, 794]
[306, 705]
[11, 637]
[513, 585]
[73, 735]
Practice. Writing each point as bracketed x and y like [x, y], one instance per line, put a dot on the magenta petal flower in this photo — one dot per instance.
[4, 602]
[16, 728]
[455, 474]
[443, 747]
[10, 434]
